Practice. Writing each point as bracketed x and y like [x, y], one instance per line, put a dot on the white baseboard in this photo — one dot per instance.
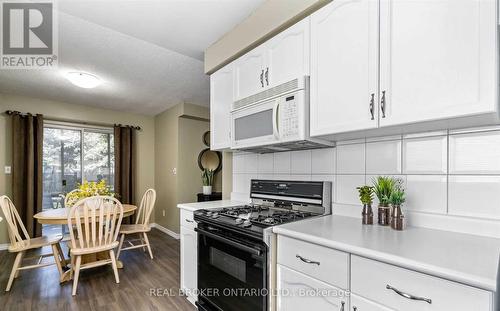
[165, 230]
[4, 246]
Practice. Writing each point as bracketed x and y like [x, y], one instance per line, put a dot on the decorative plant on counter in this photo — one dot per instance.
[397, 198]
[207, 177]
[383, 187]
[87, 190]
[366, 197]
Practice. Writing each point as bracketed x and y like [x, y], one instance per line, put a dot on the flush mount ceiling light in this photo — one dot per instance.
[83, 79]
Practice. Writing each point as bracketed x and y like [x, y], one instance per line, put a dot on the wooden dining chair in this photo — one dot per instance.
[141, 225]
[96, 222]
[20, 243]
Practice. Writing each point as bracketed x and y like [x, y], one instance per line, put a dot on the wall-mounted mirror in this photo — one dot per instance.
[210, 159]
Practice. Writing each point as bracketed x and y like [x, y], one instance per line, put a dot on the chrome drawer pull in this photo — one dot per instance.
[408, 296]
[307, 260]
[189, 220]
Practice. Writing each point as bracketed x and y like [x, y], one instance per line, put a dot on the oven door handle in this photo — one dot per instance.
[234, 244]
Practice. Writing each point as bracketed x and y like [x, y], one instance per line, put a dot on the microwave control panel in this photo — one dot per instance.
[288, 117]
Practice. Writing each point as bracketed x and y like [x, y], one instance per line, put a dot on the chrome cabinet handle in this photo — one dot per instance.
[382, 104]
[189, 220]
[342, 306]
[372, 106]
[408, 296]
[267, 75]
[307, 260]
[262, 78]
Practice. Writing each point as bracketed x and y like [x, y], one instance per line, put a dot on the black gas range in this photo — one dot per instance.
[251, 219]
[236, 244]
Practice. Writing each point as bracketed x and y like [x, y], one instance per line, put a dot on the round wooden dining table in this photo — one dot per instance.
[59, 216]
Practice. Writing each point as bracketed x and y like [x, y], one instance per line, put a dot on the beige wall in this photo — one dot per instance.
[266, 21]
[166, 138]
[227, 175]
[76, 113]
[178, 141]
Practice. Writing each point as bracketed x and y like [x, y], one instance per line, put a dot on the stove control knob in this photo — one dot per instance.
[239, 220]
[247, 223]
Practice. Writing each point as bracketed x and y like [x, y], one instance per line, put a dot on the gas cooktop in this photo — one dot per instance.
[251, 218]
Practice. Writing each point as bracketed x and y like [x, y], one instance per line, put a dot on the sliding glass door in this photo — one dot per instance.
[72, 155]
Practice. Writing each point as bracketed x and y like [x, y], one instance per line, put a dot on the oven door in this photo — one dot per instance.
[232, 271]
[256, 125]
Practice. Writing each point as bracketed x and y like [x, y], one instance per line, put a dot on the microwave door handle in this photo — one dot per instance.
[276, 131]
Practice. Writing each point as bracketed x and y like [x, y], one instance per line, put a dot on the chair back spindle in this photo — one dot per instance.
[15, 227]
[96, 221]
[146, 207]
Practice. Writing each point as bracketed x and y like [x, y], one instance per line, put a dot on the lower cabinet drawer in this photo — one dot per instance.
[361, 304]
[299, 292]
[187, 219]
[407, 290]
[322, 263]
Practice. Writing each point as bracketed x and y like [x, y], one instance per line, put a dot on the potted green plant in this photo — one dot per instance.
[383, 187]
[207, 177]
[366, 197]
[397, 198]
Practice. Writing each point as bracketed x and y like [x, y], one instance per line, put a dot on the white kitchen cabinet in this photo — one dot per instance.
[287, 54]
[344, 67]
[403, 289]
[280, 59]
[438, 60]
[299, 292]
[189, 258]
[360, 304]
[249, 72]
[221, 99]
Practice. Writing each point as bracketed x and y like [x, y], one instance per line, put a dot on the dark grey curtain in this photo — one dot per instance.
[27, 143]
[125, 163]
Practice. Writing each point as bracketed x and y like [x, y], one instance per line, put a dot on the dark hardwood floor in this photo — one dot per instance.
[39, 289]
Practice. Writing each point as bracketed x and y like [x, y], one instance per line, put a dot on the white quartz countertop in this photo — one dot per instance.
[209, 204]
[468, 259]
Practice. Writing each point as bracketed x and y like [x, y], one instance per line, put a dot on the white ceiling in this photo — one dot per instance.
[149, 53]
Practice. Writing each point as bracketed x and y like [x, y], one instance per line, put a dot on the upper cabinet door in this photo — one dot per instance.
[249, 73]
[221, 99]
[344, 67]
[438, 59]
[287, 54]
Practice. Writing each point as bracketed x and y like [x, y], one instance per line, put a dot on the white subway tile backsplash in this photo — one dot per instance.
[251, 163]
[238, 163]
[303, 177]
[450, 180]
[475, 153]
[474, 196]
[426, 193]
[345, 188]
[300, 162]
[239, 182]
[266, 163]
[427, 155]
[351, 159]
[383, 157]
[282, 163]
[323, 161]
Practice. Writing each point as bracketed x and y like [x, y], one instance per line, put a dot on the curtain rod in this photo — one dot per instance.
[11, 112]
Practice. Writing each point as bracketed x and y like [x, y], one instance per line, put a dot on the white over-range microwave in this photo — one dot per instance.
[274, 120]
